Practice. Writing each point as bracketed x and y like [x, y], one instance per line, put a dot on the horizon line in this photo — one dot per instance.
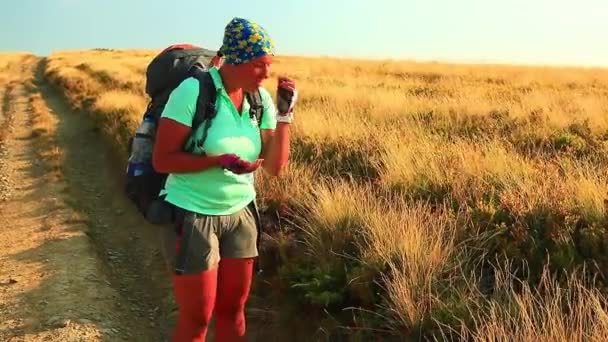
[420, 60]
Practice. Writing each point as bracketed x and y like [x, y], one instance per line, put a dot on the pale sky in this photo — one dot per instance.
[572, 32]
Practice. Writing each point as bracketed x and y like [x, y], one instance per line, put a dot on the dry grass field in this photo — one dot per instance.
[423, 200]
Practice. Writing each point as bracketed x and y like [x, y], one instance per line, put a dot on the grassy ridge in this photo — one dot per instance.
[423, 200]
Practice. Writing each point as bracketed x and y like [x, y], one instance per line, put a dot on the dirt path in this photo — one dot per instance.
[76, 262]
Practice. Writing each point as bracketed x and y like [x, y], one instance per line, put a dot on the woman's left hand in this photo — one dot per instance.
[287, 95]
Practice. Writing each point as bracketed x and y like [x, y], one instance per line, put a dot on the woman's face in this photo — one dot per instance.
[254, 72]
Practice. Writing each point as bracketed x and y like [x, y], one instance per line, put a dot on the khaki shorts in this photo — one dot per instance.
[199, 241]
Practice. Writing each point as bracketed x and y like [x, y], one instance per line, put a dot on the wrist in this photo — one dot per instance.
[285, 118]
[215, 160]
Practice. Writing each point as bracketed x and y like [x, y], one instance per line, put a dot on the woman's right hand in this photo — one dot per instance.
[227, 160]
[233, 163]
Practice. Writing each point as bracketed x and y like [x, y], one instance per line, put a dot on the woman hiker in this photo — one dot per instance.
[217, 240]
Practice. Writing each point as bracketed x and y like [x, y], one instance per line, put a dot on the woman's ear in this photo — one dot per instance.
[216, 61]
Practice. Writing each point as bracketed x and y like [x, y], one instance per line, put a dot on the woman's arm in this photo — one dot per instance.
[275, 144]
[168, 155]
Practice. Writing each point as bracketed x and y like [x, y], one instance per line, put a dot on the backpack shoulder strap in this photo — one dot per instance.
[205, 103]
[256, 107]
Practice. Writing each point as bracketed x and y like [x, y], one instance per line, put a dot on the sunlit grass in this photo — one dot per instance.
[407, 180]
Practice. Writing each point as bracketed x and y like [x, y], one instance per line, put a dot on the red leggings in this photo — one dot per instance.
[224, 289]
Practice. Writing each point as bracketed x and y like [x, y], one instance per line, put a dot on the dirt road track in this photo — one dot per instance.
[76, 262]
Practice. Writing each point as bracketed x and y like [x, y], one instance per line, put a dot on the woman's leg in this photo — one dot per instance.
[238, 249]
[195, 296]
[196, 276]
[234, 282]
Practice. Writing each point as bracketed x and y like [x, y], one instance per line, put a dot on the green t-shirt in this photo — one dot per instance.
[216, 191]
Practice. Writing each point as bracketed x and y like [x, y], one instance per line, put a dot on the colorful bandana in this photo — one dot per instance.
[245, 40]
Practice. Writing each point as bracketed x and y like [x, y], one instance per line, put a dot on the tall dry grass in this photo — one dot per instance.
[409, 184]
[574, 311]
